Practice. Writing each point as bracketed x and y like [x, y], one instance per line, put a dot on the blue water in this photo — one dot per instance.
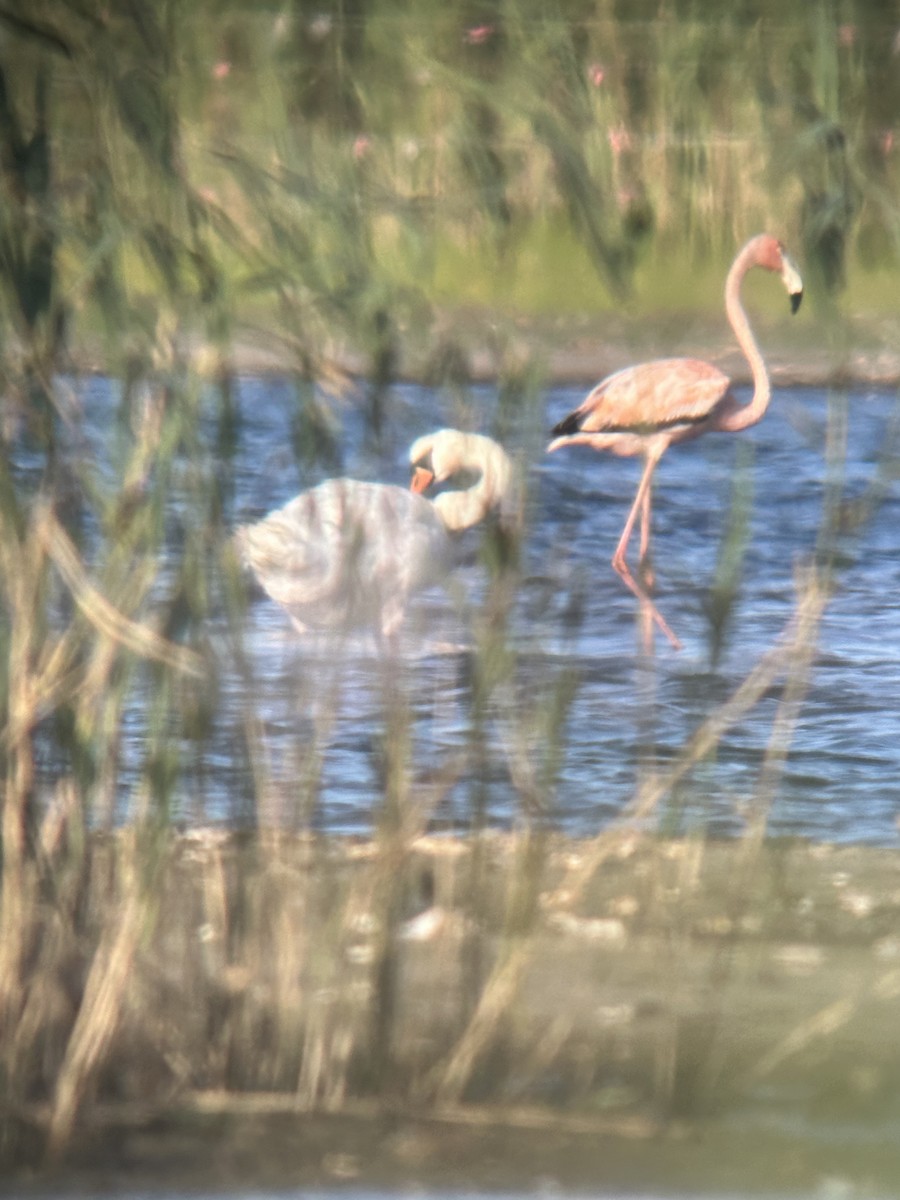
[320, 710]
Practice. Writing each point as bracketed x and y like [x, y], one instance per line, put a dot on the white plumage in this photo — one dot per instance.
[347, 553]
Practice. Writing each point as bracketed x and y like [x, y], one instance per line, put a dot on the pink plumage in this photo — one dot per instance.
[644, 409]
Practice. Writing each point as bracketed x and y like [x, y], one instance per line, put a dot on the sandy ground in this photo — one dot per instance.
[806, 351]
[684, 1016]
[404, 1155]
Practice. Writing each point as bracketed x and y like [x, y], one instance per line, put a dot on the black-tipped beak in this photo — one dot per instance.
[793, 284]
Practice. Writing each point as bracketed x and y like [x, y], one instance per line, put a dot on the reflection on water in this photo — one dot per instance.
[574, 625]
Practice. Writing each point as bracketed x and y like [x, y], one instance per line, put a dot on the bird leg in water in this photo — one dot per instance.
[645, 566]
[620, 565]
[646, 575]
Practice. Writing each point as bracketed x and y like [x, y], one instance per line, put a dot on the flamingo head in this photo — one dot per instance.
[768, 252]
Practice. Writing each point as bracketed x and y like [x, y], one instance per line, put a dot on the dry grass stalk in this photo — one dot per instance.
[102, 1000]
[791, 657]
[446, 1082]
[824, 1023]
[814, 595]
[141, 639]
[24, 576]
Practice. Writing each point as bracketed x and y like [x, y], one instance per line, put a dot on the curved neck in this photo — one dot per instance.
[459, 510]
[746, 414]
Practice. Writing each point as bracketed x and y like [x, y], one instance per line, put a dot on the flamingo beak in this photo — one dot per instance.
[790, 277]
[421, 479]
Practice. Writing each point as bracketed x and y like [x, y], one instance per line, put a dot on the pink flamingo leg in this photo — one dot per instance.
[620, 566]
[645, 573]
[645, 567]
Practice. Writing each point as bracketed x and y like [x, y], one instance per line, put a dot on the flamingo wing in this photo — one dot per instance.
[652, 397]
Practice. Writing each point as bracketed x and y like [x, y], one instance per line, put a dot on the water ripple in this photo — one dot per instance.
[574, 627]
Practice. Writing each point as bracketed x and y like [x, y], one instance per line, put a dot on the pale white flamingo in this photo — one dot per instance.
[644, 409]
[349, 553]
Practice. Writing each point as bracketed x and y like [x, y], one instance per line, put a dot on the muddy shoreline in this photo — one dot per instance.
[398, 1153]
[579, 351]
[623, 1009]
[848, 352]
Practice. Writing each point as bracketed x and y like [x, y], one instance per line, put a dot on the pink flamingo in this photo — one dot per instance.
[646, 408]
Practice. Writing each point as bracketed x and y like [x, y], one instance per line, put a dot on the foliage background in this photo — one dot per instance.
[344, 174]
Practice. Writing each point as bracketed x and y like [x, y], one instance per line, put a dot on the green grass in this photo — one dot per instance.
[309, 172]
